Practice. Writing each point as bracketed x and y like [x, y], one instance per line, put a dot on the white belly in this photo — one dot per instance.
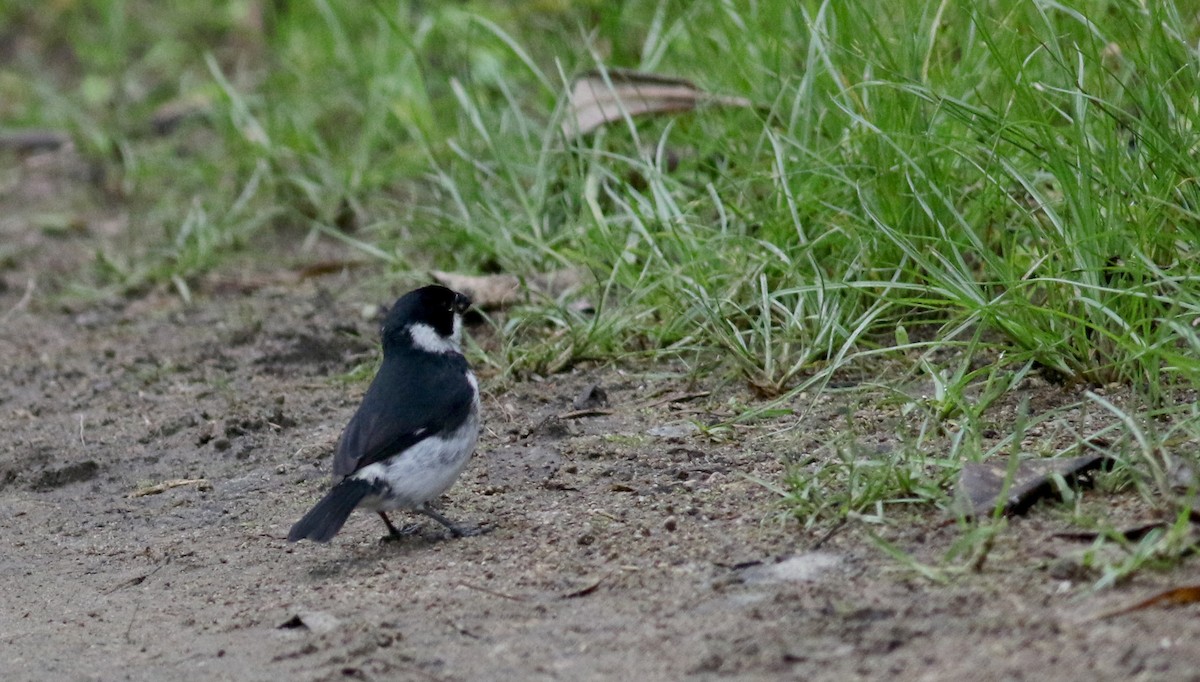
[424, 471]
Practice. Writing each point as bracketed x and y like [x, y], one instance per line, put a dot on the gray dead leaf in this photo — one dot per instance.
[680, 430]
[491, 292]
[980, 484]
[592, 397]
[1180, 473]
[595, 102]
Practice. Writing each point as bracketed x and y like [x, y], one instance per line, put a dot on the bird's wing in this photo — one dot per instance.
[410, 399]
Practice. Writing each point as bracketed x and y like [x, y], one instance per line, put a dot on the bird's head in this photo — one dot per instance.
[429, 319]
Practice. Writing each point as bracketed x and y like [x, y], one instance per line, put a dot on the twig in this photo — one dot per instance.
[135, 580]
[491, 592]
[33, 140]
[589, 412]
[678, 398]
[137, 603]
[200, 483]
[24, 302]
[827, 535]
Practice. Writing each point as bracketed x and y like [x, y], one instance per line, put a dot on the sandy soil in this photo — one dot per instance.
[627, 546]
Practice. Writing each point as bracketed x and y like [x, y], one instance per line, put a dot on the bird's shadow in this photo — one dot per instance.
[361, 559]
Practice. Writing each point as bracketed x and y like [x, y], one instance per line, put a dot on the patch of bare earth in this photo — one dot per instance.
[155, 454]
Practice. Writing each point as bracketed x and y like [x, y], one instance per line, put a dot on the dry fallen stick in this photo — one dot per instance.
[494, 593]
[678, 398]
[24, 302]
[200, 483]
[31, 140]
[589, 412]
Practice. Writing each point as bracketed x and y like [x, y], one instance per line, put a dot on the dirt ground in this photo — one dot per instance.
[626, 545]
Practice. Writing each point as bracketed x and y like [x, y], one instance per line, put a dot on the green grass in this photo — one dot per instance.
[1012, 185]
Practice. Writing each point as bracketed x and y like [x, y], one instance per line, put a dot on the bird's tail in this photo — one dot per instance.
[323, 521]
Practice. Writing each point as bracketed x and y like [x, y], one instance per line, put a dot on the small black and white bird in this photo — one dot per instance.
[417, 425]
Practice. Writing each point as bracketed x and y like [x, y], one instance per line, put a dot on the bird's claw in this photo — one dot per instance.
[470, 531]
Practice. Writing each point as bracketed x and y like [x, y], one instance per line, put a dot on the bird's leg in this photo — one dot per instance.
[393, 532]
[455, 529]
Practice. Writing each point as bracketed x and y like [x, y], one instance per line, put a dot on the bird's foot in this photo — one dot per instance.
[395, 534]
[455, 529]
[402, 534]
[470, 531]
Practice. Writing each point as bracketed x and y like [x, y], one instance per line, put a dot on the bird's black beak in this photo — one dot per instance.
[461, 303]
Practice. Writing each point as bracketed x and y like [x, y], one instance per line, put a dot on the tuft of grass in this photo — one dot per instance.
[861, 483]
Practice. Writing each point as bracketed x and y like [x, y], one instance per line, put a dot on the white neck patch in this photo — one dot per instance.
[427, 339]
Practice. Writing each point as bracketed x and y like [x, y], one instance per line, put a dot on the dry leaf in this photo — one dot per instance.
[588, 587]
[980, 484]
[489, 292]
[1176, 596]
[593, 103]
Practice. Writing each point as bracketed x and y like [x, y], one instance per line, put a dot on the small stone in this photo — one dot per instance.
[1067, 568]
[671, 523]
[222, 443]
